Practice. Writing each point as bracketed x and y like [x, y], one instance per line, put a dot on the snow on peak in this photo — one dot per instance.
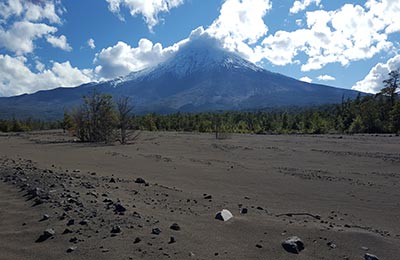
[199, 54]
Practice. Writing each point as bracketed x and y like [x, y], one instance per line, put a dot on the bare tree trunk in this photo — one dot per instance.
[124, 111]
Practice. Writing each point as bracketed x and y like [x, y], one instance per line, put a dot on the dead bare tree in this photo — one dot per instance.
[124, 117]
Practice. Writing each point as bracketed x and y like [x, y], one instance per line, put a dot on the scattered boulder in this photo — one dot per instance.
[119, 208]
[45, 217]
[243, 211]
[140, 181]
[293, 245]
[112, 180]
[67, 231]
[331, 245]
[71, 222]
[108, 200]
[172, 240]
[84, 222]
[71, 249]
[156, 231]
[175, 227]
[137, 240]
[116, 229]
[370, 257]
[48, 233]
[224, 215]
[208, 197]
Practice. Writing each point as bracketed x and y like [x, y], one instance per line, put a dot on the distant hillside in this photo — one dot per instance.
[199, 77]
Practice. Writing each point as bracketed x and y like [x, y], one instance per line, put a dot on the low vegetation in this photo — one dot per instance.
[100, 119]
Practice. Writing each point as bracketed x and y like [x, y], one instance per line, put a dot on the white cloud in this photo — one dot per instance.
[39, 66]
[11, 7]
[91, 44]
[306, 79]
[16, 77]
[29, 10]
[326, 78]
[149, 9]
[302, 5]
[387, 11]
[241, 20]
[240, 25]
[59, 42]
[23, 22]
[122, 59]
[372, 83]
[281, 48]
[19, 38]
[348, 34]
[40, 10]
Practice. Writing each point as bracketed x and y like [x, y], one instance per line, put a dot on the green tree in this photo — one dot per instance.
[391, 84]
[95, 119]
[357, 125]
[67, 122]
[395, 118]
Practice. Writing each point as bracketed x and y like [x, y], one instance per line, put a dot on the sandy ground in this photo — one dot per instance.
[339, 194]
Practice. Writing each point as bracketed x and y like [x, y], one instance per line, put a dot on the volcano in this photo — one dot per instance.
[200, 76]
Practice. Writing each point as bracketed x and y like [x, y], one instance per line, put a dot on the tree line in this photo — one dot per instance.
[101, 119]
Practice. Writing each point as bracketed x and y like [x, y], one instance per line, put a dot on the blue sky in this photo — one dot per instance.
[50, 43]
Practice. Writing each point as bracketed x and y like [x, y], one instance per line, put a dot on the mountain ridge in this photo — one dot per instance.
[200, 76]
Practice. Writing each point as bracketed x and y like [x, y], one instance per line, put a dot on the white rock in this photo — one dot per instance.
[224, 215]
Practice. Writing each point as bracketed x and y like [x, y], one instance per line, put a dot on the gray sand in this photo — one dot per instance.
[339, 194]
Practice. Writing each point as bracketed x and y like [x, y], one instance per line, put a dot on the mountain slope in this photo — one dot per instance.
[200, 77]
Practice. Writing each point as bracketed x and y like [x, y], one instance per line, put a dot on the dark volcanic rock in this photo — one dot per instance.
[84, 222]
[48, 233]
[71, 249]
[156, 231]
[119, 208]
[370, 257]
[116, 229]
[45, 217]
[243, 211]
[172, 240]
[67, 231]
[140, 181]
[175, 227]
[293, 245]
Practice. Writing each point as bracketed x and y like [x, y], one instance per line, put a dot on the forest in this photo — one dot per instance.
[378, 113]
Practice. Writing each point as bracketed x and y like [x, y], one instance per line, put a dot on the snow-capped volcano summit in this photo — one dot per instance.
[200, 76]
[204, 54]
[197, 55]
